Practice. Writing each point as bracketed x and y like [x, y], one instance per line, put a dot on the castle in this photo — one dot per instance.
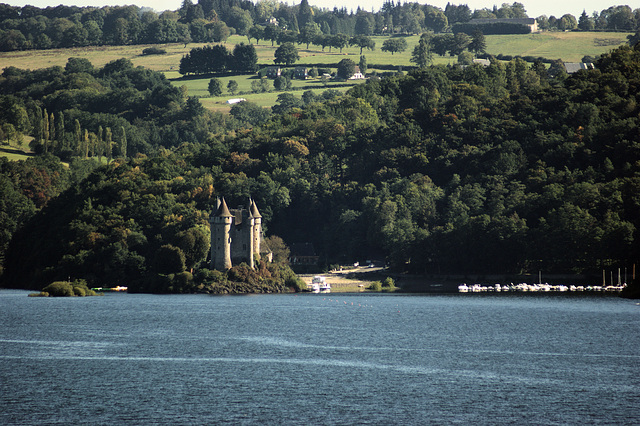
[236, 236]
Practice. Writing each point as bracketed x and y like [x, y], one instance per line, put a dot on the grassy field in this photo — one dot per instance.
[198, 87]
[569, 46]
[12, 154]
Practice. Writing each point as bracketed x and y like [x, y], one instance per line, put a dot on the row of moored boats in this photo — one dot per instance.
[523, 287]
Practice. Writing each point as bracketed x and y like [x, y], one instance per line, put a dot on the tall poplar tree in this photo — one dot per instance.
[77, 133]
[60, 132]
[478, 43]
[422, 54]
[52, 130]
[45, 129]
[123, 143]
[108, 139]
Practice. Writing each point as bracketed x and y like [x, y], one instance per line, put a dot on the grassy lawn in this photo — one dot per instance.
[262, 99]
[13, 155]
[569, 46]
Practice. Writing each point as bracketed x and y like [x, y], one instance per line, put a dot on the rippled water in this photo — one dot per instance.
[319, 359]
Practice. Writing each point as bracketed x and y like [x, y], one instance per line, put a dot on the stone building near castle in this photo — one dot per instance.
[236, 236]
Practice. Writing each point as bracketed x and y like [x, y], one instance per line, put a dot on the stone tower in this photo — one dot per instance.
[221, 222]
[257, 228]
[236, 235]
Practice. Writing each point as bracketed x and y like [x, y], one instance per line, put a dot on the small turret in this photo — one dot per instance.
[257, 228]
[251, 228]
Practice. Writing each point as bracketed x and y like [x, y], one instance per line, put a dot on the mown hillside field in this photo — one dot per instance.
[567, 46]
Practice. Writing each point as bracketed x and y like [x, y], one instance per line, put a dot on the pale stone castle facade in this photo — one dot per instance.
[236, 236]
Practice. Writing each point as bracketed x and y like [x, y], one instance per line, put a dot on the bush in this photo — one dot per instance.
[59, 289]
[388, 283]
[183, 280]
[66, 289]
[153, 51]
[375, 286]
[295, 283]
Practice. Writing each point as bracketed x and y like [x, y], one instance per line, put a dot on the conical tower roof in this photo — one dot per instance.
[223, 211]
[249, 204]
[254, 210]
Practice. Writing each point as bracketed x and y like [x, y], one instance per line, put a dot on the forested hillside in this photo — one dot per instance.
[115, 111]
[474, 169]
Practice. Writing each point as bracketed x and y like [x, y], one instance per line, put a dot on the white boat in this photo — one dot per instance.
[322, 284]
[313, 288]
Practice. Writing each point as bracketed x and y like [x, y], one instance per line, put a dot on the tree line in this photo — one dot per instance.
[217, 59]
[212, 21]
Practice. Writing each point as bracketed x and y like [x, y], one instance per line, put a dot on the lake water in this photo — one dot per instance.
[319, 359]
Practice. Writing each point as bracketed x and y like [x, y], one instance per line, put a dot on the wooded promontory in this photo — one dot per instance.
[504, 168]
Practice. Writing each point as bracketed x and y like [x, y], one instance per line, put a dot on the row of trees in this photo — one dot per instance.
[217, 58]
[209, 21]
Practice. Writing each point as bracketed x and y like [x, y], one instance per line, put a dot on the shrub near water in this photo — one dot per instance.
[66, 289]
[387, 285]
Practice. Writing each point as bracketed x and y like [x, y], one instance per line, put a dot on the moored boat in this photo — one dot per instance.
[319, 284]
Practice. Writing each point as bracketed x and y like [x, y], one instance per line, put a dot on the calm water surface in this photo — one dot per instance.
[319, 359]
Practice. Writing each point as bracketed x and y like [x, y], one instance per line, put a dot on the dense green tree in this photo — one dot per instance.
[286, 54]
[245, 58]
[339, 41]
[363, 42]
[75, 65]
[232, 87]
[585, 23]
[272, 32]
[309, 33]
[305, 14]
[362, 64]
[364, 23]
[394, 45]
[478, 42]
[239, 19]
[346, 68]
[438, 170]
[460, 43]
[422, 54]
[256, 32]
[215, 87]
[250, 113]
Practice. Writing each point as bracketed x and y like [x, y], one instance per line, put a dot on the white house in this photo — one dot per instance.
[357, 75]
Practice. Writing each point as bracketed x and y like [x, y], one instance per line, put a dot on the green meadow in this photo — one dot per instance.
[13, 155]
[568, 46]
[16, 150]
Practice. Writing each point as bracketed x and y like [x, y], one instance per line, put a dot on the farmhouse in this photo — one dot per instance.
[357, 74]
[273, 72]
[300, 73]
